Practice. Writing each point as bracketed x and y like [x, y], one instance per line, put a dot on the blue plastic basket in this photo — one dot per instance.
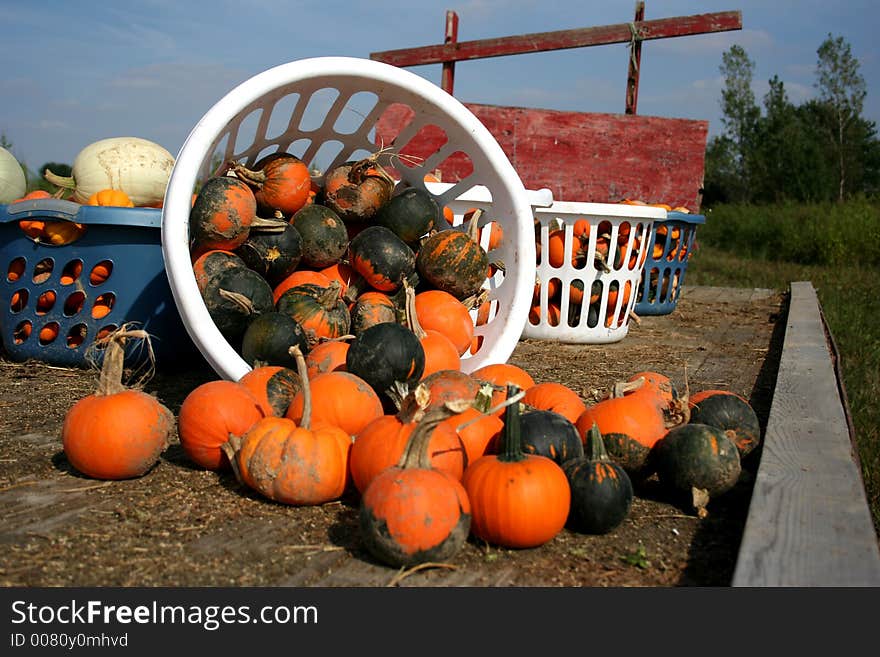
[670, 248]
[51, 286]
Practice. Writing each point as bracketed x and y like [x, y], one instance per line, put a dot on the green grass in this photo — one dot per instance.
[837, 249]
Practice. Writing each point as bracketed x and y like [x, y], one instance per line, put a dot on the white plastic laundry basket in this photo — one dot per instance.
[328, 108]
[590, 258]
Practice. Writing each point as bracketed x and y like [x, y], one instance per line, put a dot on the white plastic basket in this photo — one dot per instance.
[316, 102]
[608, 283]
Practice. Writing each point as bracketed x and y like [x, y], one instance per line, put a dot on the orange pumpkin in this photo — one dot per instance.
[341, 399]
[440, 352]
[281, 182]
[518, 500]
[290, 463]
[380, 443]
[630, 425]
[356, 190]
[326, 356]
[207, 416]
[413, 512]
[300, 277]
[60, 233]
[440, 311]
[110, 197]
[117, 432]
[500, 375]
[556, 397]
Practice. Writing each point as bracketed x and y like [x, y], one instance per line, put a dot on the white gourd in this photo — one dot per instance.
[13, 184]
[138, 167]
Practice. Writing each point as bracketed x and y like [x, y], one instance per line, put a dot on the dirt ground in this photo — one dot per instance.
[181, 526]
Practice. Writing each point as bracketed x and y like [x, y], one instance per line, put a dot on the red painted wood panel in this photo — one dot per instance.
[585, 157]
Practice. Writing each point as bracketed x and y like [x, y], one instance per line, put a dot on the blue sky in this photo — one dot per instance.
[78, 71]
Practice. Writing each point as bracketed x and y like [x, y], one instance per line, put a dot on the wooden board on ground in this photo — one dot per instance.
[809, 523]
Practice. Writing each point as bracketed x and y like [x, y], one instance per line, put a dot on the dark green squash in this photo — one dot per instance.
[234, 298]
[268, 339]
[410, 215]
[320, 311]
[384, 355]
[274, 254]
[211, 263]
[697, 460]
[453, 261]
[549, 434]
[730, 413]
[324, 236]
[601, 490]
[382, 258]
[372, 308]
[221, 215]
[274, 387]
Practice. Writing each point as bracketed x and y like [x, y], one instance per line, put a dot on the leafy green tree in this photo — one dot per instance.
[842, 88]
[740, 114]
[787, 158]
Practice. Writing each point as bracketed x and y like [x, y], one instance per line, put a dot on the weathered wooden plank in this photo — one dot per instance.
[809, 523]
[660, 28]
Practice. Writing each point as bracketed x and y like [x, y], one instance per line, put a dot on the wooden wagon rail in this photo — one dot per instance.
[809, 523]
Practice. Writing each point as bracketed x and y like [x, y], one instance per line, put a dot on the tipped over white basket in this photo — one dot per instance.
[314, 101]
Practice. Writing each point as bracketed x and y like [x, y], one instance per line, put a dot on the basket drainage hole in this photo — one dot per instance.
[19, 300]
[43, 270]
[15, 269]
[46, 301]
[102, 335]
[101, 272]
[103, 305]
[71, 272]
[74, 303]
[77, 335]
[49, 333]
[22, 332]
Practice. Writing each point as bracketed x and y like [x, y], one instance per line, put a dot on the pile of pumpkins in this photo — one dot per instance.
[113, 172]
[491, 454]
[351, 299]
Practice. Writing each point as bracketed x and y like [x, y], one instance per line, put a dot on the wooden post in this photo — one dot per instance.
[447, 78]
[635, 59]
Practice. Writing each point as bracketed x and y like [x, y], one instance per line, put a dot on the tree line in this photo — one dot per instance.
[821, 150]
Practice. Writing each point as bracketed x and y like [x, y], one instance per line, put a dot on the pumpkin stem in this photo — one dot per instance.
[66, 182]
[483, 400]
[412, 317]
[413, 402]
[473, 229]
[250, 176]
[621, 388]
[369, 167]
[511, 436]
[239, 300]
[303, 371]
[415, 454]
[110, 379]
[596, 445]
[329, 296]
[262, 225]
[230, 448]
